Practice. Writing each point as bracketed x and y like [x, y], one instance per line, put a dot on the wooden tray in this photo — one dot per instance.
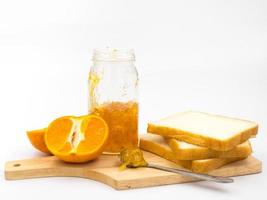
[105, 169]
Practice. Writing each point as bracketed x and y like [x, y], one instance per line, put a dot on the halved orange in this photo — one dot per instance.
[77, 139]
[36, 138]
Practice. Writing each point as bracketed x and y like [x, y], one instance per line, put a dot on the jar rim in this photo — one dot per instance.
[113, 54]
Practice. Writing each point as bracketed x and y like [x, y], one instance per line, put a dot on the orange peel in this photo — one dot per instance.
[36, 138]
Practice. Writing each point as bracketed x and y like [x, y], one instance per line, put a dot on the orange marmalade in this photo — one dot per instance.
[122, 120]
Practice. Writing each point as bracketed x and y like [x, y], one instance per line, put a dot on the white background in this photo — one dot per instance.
[200, 55]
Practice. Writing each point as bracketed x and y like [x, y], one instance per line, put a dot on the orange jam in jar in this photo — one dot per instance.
[113, 95]
[122, 120]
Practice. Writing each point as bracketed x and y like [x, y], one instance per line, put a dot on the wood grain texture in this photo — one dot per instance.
[105, 170]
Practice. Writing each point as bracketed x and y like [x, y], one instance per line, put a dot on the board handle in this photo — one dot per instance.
[35, 168]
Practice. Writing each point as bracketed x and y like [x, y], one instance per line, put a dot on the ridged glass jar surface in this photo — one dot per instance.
[113, 94]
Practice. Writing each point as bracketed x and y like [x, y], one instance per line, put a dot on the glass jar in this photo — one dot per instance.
[113, 95]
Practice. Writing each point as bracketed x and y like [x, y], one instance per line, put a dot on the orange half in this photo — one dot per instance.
[36, 138]
[77, 139]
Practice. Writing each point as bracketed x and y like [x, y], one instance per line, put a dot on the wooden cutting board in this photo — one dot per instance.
[105, 170]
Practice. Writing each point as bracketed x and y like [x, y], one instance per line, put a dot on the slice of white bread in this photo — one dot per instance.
[186, 151]
[212, 131]
[158, 145]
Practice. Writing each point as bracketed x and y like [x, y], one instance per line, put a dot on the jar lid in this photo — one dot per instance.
[113, 55]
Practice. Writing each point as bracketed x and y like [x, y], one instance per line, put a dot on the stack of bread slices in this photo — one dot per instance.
[200, 141]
